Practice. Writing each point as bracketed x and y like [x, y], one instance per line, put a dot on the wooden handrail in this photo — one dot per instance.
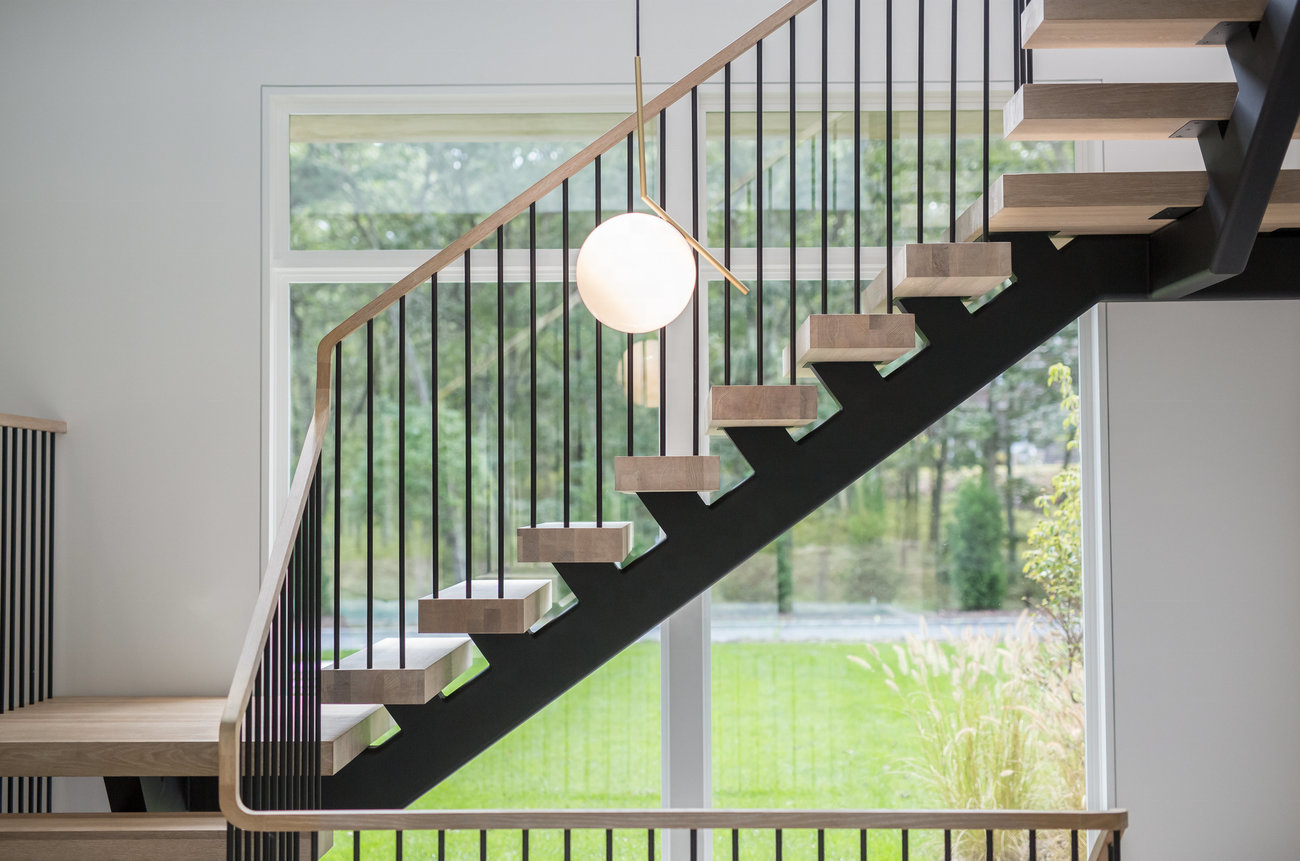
[241, 688]
[8, 420]
[716, 818]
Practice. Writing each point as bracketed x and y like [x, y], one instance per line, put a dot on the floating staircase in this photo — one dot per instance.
[409, 673]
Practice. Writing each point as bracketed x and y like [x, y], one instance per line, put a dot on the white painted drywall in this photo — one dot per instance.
[1204, 469]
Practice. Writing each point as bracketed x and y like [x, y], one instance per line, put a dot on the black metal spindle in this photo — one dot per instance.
[564, 264]
[501, 411]
[758, 210]
[821, 845]
[1074, 845]
[779, 844]
[862, 844]
[857, 165]
[663, 332]
[434, 520]
[726, 222]
[695, 296]
[985, 185]
[532, 361]
[401, 483]
[793, 204]
[947, 835]
[695, 844]
[568, 844]
[4, 547]
[482, 844]
[398, 841]
[1033, 835]
[650, 842]
[600, 388]
[21, 569]
[1017, 54]
[370, 492]
[609, 844]
[1115, 845]
[988, 845]
[952, 129]
[735, 845]
[46, 513]
[14, 468]
[338, 495]
[920, 121]
[826, 176]
[523, 845]
[442, 846]
[469, 435]
[630, 370]
[889, 156]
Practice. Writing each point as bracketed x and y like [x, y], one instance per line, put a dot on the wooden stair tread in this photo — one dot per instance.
[1046, 112]
[762, 406]
[668, 474]
[855, 338]
[149, 736]
[577, 542]
[1131, 23]
[451, 612]
[431, 664]
[1079, 204]
[965, 269]
[122, 837]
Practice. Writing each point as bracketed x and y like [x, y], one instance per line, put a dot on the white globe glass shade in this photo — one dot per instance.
[635, 273]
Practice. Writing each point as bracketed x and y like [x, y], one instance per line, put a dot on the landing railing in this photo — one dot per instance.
[523, 368]
[26, 583]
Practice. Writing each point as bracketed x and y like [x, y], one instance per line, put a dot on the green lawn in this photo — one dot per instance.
[795, 725]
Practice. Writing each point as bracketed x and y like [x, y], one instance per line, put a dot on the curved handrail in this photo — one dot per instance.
[8, 420]
[241, 688]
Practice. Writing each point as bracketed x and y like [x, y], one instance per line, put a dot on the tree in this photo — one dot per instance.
[1052, 558]
[975, 535]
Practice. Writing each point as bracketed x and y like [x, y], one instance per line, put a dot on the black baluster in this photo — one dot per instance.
[889, 156]
[758, 212]
[437, 460]
[985, 142]
[338, 493]
[857, 177]
[695, 296]
[726, 222]
[370, 492]
[826, 176]
[401, 483]
[793, 237]
[501, 412]
[532, 360]
[952, 131]
[469, 435]
[600, 389]
[920, 121]
[564, 205]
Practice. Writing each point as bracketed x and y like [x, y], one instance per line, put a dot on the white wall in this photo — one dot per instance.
[1204, 468]
[130, 271]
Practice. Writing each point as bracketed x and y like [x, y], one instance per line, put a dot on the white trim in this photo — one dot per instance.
[1098, 659]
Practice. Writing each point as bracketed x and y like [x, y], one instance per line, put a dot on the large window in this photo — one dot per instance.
[360, 198]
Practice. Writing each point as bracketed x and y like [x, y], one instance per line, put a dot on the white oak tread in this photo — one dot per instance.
[671, 473]
[1130, 23]
[762, 406]
[1081, 204]
[431, 664]
[965, 269]
[524, 602]
[855, 338]
[148, 736]
[577, 542]
[123, 837]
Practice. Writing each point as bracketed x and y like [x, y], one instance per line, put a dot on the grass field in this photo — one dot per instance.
[795, 725]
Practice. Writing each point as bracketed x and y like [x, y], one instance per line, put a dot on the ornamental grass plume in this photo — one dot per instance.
[988, 726]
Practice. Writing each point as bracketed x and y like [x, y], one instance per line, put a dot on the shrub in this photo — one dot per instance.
[975, 538]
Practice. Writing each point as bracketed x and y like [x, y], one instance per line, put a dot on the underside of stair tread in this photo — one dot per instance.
[512, 609]
[150, 736]
[961, 269]
[668, 474]
[762, 406]
[123, 837]
[431, 664]
[1045, 112]
[855, 338]
[1081, 204]
[1132, 23]
[611, 541]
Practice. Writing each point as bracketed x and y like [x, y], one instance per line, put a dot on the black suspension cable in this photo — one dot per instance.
[793, 204]
[370, 493]
[889, 156]
[726, 222]
[469, 435]
[338, 493]
[501, 412]
[401, 483]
